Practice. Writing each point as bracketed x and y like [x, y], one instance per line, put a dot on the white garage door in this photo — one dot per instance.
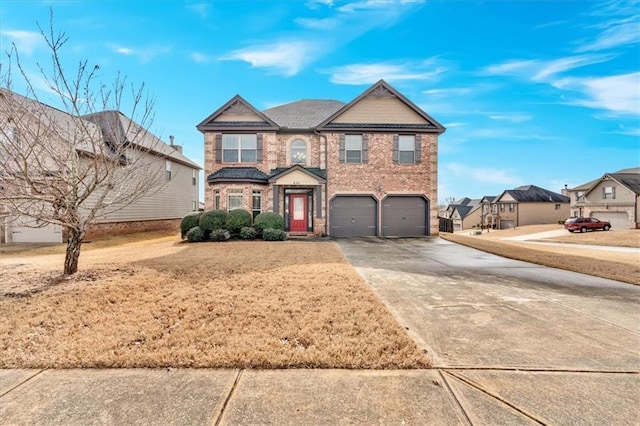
[619, 220]
[26, 234]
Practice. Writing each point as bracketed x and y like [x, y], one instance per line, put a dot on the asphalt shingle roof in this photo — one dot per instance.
[630, 180]
[315, 170]
[227, 174]
[303, 114]
[532, 193]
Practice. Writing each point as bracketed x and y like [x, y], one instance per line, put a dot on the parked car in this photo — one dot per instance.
[584, 224]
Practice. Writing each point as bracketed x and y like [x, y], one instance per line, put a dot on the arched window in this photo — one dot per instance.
[298, 151]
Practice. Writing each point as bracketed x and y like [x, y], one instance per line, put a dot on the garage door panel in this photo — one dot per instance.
[353, 216]
[619, 220]
[404, 216]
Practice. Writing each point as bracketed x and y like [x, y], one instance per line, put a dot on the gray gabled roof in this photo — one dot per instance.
[117, 128]
[303, 114]
[630, 180]
[535, 194]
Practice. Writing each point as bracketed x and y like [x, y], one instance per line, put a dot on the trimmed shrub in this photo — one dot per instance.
[191, 220]
[271, 220]
[248, 233]
[195, 235]
[219, 235]
[212, 219]
[238, 219]
[270, 234]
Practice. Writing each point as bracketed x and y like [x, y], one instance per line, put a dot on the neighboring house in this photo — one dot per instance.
[161, 209]
[365, 168]
[526, 205]
[614, 197]
[467, 213]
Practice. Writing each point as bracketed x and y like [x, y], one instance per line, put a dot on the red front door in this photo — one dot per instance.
[298, 216]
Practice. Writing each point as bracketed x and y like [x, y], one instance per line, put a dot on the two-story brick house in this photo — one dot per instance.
[364, 168]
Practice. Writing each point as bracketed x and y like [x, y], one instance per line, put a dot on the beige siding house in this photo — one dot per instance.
[527, 205]
[161, 209]
[614, 197]
[363, 168]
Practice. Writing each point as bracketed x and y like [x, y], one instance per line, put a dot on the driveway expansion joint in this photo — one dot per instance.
[478, 387]
[22, 382]
[228, 398]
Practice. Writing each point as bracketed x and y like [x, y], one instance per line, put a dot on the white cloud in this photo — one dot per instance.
[618, 94]
[540, 70]
[201, 9]
[318, 36]
[454, 124]
[200, 58]
[357, 74]
[145, 55]
[484, 174]
[619, 35]
[512, 118]
[26, 41]
[287, 57]
[455, 91]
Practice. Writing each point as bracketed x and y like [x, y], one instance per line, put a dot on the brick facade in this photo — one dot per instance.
[378, 177]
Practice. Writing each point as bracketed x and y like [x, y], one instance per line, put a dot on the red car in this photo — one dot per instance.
[584, 224]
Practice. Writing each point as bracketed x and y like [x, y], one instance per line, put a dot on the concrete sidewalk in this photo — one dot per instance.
[315, 397]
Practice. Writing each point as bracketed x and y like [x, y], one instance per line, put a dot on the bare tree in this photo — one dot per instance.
[75, 165]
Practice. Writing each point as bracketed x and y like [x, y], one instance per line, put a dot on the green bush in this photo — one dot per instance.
[195, 235]
[212, 219]
[270, 234]
[248, 233]
[238, 219]
[219, 235]
[191, 220]
[269, 220]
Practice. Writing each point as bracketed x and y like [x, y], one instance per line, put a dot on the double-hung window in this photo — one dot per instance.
[235, 199]
[406, 149]
[167, 169]
[353, 148]
[256, 203]
[608, 192]
[239, 148]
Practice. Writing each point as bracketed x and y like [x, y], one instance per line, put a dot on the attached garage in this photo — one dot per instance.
[404, 216]
[619, 220]
[507, 224]
[353, 216]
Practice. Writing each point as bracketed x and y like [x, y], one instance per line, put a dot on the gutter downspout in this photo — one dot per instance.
[326, 185]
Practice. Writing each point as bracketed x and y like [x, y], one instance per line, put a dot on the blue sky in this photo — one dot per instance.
[531, 92]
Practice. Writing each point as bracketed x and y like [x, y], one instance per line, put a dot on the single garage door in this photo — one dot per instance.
[507, 224]
[619, 220]
[353, 216]
[46, 234]
[404, 216]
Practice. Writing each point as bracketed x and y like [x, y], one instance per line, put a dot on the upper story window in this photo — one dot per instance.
[558, 206]
[406, 149]
[239, 148]
[580, 196]
[608, 192]
[298, 152]
[353, 148]
[512, 207]
[167, 169]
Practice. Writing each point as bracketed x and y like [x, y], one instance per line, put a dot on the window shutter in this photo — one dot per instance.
[613, 192]
[341, 153]
[418, 149]
[365, 148]
[218, 149]
[259, 148]
[604, 193]
[396, 143]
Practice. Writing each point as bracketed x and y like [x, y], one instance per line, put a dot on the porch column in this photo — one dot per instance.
[319, 201]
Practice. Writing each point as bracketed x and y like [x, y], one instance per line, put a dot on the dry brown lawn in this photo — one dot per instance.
[618, 266]
[158, 303]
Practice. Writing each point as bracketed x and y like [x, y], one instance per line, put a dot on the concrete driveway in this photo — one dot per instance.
[550, 343]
